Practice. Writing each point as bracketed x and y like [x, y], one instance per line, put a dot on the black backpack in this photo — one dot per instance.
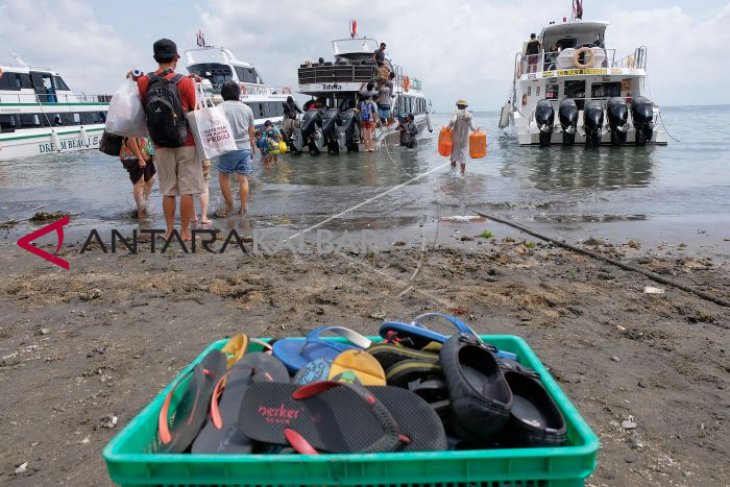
[111, 144]
[165, 117]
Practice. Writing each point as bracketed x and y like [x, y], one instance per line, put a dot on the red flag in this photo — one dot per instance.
[353, 28]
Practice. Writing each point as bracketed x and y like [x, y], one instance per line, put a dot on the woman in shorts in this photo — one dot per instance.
[136, 157]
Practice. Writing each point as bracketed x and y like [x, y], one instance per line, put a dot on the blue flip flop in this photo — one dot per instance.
[295, 353]
[420, 336]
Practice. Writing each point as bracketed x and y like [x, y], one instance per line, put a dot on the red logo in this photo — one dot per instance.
[278, 415]
[25, 242]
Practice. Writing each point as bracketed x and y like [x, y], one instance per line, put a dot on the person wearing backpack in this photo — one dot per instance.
[368, 112]
[167, 98]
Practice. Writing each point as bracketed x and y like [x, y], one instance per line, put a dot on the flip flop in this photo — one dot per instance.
[358, 365]
[315, 371]
[425, 379]
[175, 435]
[389, 354]
[298, 352]
[535, 419]
[481, 399]
[418, 336]
[234, 348]
[340, 418]
[221, 433]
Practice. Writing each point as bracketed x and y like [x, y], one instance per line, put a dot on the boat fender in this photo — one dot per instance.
[84, 136]
[406, 82]
[55, 140]
[588, 59]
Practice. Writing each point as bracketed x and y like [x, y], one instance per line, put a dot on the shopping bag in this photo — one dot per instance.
[126, 115]
[210, 128]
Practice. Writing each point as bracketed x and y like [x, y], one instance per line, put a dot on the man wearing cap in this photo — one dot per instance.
[180, 172]
[460, 123]
[291, 111]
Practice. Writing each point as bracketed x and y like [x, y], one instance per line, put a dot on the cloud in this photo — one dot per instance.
[467, 49]
[65, 36]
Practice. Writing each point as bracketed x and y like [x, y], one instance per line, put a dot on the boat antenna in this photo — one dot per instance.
[200, 39]
[578, 9]
[18, 60]
[353, 28]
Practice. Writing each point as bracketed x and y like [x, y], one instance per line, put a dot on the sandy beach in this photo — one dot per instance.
[100, 341]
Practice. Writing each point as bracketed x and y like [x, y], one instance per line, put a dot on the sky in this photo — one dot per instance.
[459, 49]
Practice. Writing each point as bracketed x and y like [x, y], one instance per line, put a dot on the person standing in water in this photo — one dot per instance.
[461, 123]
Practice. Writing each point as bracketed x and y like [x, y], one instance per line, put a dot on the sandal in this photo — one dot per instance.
[192, 407]
[481, 399]
[298, 352]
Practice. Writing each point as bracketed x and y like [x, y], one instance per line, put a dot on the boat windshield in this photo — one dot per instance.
[216, 73]
[354, 46]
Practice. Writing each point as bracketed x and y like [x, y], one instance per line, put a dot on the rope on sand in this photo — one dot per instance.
[629, 267]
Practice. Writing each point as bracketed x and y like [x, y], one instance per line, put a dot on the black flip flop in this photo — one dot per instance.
[480, 398]
[176, 435]
[535, 419]
[389, 354]
[221, 433]
[340, 418]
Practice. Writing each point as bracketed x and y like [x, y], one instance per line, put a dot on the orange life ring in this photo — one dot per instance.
[1, 72]
[286, 90]
[588, 59]
[406, 82]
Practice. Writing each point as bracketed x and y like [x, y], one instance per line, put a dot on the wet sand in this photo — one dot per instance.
[103, 339]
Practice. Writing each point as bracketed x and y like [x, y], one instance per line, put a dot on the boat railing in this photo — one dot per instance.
[52, 98]
[567, 59]
[330, 72]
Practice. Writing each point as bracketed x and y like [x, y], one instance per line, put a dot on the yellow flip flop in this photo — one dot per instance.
[235, 348]
[359, 363]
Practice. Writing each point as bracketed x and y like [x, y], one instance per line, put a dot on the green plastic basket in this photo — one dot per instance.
[130, 461]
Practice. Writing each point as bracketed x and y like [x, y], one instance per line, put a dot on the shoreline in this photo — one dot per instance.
[104, 338]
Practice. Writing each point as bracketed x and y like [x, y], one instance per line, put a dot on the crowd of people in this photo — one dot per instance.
[172, 158]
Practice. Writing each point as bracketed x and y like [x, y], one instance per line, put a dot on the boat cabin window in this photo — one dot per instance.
[576, 89]
[60, 84]
[551, 91]
[7, 123]
[30, 120]
[70, 118]
[248, 75]
[606, 90]
[216, 73]
[10, 81]
[274, 109]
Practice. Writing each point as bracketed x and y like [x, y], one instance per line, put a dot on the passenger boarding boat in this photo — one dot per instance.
[218, 65]
[39, 114]
[335, 127]
[577, 91]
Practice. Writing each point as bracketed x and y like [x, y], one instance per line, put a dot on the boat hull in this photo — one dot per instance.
[34, 142]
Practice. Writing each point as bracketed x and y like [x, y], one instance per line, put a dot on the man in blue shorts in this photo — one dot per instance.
[240, 116]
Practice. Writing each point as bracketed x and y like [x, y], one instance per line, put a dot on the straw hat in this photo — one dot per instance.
[461, 101]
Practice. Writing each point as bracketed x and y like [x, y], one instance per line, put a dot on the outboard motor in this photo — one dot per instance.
[331, 120]
[642, 113]
[311, 130]
[618, 119]
[351, 130]
[568, 115]
[545, 119]
[593, 122]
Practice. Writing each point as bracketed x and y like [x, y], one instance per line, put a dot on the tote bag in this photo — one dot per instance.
[210, 128]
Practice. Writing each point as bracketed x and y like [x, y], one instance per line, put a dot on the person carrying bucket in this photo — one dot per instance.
[460, 124]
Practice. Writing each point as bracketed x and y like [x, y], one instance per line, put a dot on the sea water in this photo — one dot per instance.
[676, 194]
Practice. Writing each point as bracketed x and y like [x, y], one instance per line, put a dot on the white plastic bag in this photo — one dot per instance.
[126, 115]
[210, 128]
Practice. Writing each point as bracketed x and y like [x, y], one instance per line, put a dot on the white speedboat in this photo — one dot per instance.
[39, 114]
[218, 65]
[575, 91]
[335, 127]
